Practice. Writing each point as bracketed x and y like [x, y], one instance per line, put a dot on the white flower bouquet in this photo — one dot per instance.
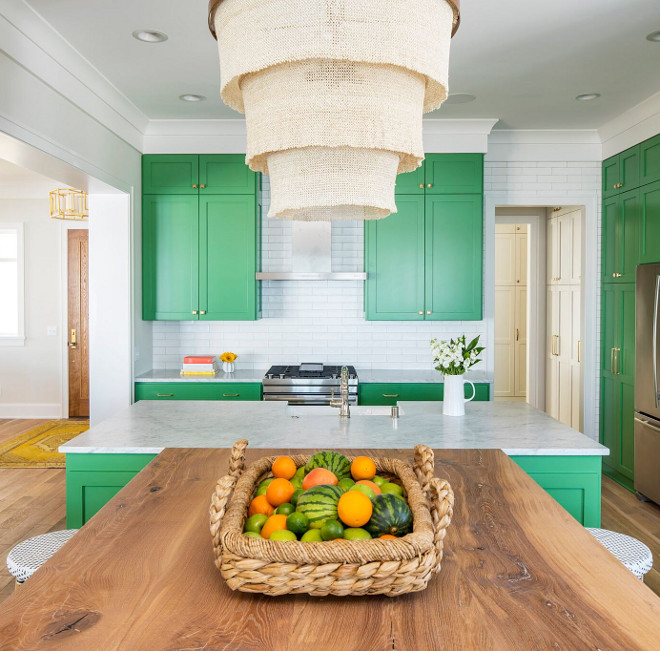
[455, 356]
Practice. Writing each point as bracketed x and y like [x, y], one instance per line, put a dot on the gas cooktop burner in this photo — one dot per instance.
[310, 371]
[308, 384]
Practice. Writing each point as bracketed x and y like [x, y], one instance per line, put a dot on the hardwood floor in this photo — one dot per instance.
[33, 502]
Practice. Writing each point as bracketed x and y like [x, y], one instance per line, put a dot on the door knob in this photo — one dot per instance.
[195, 186]
[202, 186]
[194, 311]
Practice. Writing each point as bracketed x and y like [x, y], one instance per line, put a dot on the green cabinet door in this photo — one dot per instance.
[191, 390]
[621, 224]
[454, 173]
[390, 393]
[610, 421]
[411, 182]
[621, 172]
[225, 174]
[394, 262]
[227, 281]
[169, 257]
[649, 224]
[454, 249]
[611, 177]
[170, 174]
[649, 161]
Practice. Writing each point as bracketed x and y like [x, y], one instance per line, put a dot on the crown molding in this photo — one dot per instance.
[544, 145]
[32, 42]
[631, 127]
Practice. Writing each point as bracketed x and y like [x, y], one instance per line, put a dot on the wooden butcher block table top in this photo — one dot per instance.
[518, 573]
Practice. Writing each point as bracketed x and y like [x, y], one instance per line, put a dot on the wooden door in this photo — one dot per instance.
[227, 258]
[394, 262]
[78, 319]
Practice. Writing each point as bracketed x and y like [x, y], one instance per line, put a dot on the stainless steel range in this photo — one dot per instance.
[308, 384]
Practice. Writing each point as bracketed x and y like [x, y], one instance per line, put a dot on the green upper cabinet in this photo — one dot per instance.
[454, 243]
[225, 174]
[169, 257]
[649, 223]
[425, 261]
[411, 182]
[621, 172]
[394, 258]
[227, 255]
[454, 173]
[199, 245]
[649, 161]
[170, 174]
[621, 226]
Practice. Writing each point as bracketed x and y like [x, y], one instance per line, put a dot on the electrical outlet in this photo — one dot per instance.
[51, 331]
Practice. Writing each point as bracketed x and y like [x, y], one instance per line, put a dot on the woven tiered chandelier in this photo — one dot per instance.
[333, 93]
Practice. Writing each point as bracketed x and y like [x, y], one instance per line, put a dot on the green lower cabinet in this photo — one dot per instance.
[92, 480]
[390, 394]
[573, 481]
[198, 391]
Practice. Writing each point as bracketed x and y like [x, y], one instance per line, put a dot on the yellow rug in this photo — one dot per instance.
[38, 447]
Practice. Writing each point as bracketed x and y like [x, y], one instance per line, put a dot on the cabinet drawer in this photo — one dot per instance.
[390, 394]
[197, 391]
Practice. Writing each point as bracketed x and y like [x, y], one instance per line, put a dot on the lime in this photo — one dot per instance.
[313, 535]
[261, 489]
[379, 481]
[346, 484]
[254, 523]
[285, 508]
[332, 529]
[283, 534]
[355, 533]
[389, 487]
[298, 523]
[364, 489]
[296, 494]
[252, 534]
[297, 482]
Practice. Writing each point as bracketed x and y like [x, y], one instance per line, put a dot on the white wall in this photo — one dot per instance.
[31, 375]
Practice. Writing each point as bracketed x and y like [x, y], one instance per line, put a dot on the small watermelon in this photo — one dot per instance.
[391, 515]
[335, 462]
[319, 503]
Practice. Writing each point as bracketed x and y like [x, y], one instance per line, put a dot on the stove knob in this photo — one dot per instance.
[334, 376]
[269, 376]
[281, 376]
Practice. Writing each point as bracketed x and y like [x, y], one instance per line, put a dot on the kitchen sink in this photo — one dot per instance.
[325, 410]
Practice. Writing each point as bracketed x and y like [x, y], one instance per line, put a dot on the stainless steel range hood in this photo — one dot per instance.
[311, 256]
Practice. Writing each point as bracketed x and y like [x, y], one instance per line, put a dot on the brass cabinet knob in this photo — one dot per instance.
[429, 185]
[195, 186]
[421, 185]
[202, 311]
[421, 312]
[194, 311]
[428, 311]
[202, 186]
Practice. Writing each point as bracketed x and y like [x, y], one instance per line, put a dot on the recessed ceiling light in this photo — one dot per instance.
[654, 36]
[149, 36]
[460, 98]
[585, 97]
[191, 97]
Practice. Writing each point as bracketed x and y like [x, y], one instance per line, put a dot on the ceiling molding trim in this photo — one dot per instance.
[452, 136]
[526, 145]
[632, 127]
[32, 43]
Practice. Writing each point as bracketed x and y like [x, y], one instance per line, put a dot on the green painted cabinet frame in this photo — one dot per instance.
[621, 236]
[92, 480]
[573, 481]
[191, 390]
[389, 394]
[621, 172]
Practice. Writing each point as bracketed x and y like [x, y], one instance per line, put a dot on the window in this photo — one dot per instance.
[11, 285]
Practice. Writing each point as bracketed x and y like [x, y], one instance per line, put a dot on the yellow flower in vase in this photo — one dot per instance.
[228, 360]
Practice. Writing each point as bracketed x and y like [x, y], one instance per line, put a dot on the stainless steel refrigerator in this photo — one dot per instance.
[647, 381]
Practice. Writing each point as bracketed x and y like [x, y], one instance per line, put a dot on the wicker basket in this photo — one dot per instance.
[338, 567]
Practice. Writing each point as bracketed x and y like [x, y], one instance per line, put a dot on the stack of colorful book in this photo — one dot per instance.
[199, 365]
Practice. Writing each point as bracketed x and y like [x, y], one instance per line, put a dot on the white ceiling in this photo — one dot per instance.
[20, 183]
[525, 60]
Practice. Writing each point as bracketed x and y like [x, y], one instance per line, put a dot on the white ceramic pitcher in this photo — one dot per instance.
[453, 400]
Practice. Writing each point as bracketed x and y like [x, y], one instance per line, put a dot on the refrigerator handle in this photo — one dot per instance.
[655, 339]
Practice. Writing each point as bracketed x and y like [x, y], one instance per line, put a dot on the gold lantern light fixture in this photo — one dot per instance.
[68, 203]
[333, 93]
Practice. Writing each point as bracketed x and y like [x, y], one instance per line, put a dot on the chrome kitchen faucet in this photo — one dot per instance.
[344, 408]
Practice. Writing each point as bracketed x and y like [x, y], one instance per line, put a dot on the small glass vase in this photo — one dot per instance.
[453, 401]
[228, 367]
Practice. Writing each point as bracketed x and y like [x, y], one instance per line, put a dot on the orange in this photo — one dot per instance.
[260, 505]
[374, 487]
[276, 522]
[280, 491]
[363, 468]
[388, 535]
[354, 509]
[284, 467]
[319, 476]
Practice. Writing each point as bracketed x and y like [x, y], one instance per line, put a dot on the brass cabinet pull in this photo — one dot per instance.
[202, 186]
[578, 351]
[390, 395]
[230, 395]
[421, 185]
[612, 361]
[164, 395]
[202, 311]
[429, 185]
[194, 186]
[194, 311]
[421, 312]
[617, 360]
[428, 311]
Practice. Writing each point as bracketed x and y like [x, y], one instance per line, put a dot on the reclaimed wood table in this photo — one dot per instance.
[518, 573]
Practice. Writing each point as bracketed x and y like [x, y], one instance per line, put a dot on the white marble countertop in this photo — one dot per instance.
[371, 376]
[150, 426]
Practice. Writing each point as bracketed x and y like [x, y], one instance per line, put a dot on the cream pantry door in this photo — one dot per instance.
[505, 309]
